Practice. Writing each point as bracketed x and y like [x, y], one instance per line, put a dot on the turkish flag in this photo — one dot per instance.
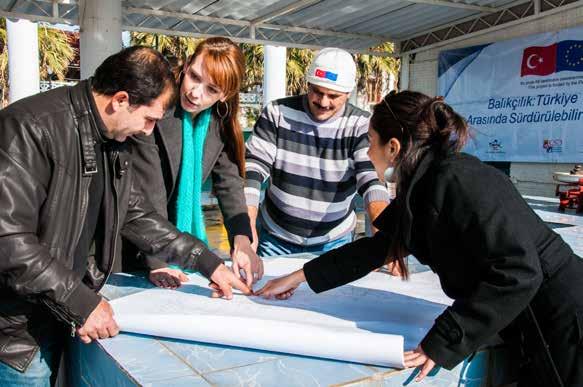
[320, 73]
[538, 60]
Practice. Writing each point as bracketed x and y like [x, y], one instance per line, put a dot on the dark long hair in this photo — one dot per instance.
[421, 124]
[225, 64]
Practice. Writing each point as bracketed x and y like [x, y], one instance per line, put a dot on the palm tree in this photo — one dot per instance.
[298, 61]
[253, 65]
[3, 64]
[54, 52]
[372, 72]
[175, 48]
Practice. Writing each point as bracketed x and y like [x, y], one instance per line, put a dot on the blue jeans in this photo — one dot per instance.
[41, 368]
[270, 245]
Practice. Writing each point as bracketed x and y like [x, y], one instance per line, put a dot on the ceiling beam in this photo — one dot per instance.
[186, 16]
[36, 18]
[456, 4]
[244, 23]
[558, 9]
[247, 40]
[12, 5]
[297, 5]
[462, 20]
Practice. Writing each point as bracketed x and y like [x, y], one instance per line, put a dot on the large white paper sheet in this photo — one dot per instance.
[369, 321]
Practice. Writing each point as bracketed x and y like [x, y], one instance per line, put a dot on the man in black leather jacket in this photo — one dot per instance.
[66, 194]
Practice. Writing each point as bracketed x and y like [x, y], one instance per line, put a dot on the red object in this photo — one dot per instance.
[320, 73]
[572, 197]
[537, 60]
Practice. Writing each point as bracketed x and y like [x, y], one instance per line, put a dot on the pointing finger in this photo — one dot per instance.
[238, 284]
[428, 366]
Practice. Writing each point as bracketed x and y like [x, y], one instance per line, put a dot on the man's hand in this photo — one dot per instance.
[284, 287]
[252, 212]
[99, 325]
[167, 278]
[418, 358]
[223, 280]
[244, 257]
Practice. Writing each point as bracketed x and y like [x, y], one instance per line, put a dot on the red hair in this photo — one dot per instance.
[225, 64]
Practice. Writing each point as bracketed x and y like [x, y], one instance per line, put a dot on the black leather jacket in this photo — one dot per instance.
[47, 161]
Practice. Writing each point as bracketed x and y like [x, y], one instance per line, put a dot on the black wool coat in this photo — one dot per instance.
[469, 224]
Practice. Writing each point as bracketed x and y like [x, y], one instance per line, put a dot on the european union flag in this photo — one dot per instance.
[570, 55]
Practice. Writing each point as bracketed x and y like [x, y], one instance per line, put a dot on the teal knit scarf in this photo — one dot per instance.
[189, 217]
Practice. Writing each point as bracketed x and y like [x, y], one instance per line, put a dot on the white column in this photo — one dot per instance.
[23, 67]
[404, 83]
[274, 61]
[100, 23]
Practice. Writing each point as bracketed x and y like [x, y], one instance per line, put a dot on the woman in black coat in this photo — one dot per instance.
[209, 83]
[506, 271]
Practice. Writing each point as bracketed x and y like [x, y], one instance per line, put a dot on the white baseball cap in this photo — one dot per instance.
[334, 69]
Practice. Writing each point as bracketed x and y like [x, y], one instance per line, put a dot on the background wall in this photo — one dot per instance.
[530, 178]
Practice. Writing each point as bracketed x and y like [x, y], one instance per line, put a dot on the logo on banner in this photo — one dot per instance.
[553, 145]
[495, 147]
[566, 55]
[326, 74]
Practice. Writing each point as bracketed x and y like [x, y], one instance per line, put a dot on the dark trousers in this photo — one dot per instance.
[557, 311]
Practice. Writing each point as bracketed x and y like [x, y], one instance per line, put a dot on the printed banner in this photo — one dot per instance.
[523, 97]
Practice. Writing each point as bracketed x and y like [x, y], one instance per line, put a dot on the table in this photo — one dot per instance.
[130, 360]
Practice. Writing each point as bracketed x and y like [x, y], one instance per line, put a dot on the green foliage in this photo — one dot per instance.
[371, 70]
[54, 52]
[298, 61]
[175, 48]
[3, 64]
[253, 65]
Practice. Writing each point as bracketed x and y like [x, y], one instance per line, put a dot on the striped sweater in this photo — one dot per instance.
[315, 169]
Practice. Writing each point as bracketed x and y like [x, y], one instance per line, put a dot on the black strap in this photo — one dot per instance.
[83, 117]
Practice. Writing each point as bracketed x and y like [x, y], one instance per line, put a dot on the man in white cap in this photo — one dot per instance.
[314, 149]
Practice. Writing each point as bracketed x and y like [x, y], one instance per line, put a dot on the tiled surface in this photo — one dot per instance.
[289, 370]
[467, 374]
[141, 360]
[547, 209]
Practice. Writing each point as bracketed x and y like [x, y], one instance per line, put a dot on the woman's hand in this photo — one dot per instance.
[167, 278]
[244, 257]
[418, 358]
[394, 269]
[282, 288]
[223, 280]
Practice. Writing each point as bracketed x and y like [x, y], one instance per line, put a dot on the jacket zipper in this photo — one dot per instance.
[84, 204]
[115, 158]
[63, 315]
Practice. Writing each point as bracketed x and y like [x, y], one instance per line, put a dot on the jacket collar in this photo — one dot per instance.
[170, 133]
[99, 128]
[89, 132]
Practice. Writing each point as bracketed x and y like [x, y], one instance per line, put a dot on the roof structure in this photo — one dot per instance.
[356, 25]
